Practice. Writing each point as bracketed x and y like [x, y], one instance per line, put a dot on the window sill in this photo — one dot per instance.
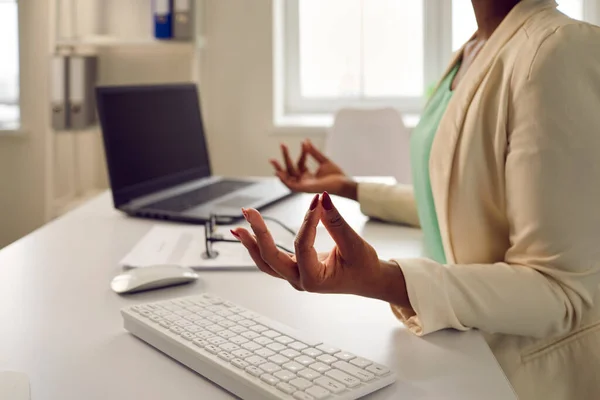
[320, 122]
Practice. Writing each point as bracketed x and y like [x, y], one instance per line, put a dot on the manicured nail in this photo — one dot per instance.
[234, 234]
[327, 203]
[314, 203]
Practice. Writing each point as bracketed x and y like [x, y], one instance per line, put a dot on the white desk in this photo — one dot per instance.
[60, 323]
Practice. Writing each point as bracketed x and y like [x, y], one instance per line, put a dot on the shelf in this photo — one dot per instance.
[106, 41]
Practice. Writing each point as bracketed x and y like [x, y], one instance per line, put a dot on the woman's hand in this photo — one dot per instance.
[328, 176]
[352, 267]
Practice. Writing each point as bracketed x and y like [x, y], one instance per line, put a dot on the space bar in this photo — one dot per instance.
[286, 330]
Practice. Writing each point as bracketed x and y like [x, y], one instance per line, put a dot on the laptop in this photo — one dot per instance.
[158, 161]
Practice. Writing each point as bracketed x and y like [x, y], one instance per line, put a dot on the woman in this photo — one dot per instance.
[506, 164]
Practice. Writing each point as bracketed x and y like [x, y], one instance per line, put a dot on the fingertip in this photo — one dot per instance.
[327, 202]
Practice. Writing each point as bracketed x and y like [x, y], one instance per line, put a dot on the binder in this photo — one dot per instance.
[59, 92]
[82, 83]
[183, 23]
[163, 19]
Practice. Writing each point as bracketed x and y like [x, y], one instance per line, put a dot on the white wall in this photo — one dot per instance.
[237, 89]
[23, 161]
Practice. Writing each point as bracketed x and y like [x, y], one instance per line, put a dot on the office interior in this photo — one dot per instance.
[268, 72]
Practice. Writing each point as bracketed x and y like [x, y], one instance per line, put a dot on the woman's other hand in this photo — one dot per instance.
[327, 177]
[351, 267]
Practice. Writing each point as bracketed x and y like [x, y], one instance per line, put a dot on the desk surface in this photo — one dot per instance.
[60, 323]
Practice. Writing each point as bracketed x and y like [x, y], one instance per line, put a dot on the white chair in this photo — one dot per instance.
[367, 142]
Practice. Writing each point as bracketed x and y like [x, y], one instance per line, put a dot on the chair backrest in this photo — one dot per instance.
[368, 142]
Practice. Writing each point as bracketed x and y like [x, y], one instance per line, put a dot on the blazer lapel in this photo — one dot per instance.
[451, 126]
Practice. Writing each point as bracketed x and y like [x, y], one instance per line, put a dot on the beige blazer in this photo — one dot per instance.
[515, 175]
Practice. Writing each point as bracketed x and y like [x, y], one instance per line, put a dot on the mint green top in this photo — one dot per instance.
[421, 142]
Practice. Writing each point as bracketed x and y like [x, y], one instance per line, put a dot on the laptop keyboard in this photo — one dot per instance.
[198, 196]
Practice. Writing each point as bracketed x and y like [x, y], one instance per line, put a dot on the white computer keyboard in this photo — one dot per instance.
[251, 356]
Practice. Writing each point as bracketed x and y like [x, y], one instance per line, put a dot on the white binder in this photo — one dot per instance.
[183, 24]
[82, 82]
[59, 92]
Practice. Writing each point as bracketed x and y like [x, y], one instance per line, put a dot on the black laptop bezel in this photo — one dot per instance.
[124, 196]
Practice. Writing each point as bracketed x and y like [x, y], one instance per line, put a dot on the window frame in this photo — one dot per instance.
[13, 126]
[437, 41]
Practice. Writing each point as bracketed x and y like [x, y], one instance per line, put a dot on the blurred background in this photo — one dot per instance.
[267, 71]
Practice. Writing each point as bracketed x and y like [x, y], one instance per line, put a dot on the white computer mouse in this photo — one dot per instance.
[153, 277]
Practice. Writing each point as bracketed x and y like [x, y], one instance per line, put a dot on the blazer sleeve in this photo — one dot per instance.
[392, 203]
[550, 275]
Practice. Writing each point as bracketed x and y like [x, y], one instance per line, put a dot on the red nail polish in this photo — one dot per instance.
[234, 234]
[327, 203]
[314, 203]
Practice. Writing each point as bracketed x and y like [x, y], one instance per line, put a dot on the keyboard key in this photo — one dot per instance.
[238, 329]
[194, 329]
[293, 366]
[286, 388]
[378, 370]
[250, 335]
[276, 347]
[258, 328]
[255, 360]
[237, 310]
[343, 378]
[177, 329]
[252, 346]
[266, 353]
[228, 304]
[227, 324]
[254, 371]
[229, 347]
[270, 367]
[227, 334]
[246, 323]
[312, 352]
[289, 353]
[166, 324]
[203, 323]
[319, 367]
[278, 359]
[318, 392]
[235, 318]
[205, 335]
[249, 314]
[200, 343]
[327, 359]
[309, 374]
[215, 328]
[343, 355]
[238, 340]
[182, 302]
[304, 360]
[204, 313]
[303, 396]
[216, 308]
[242, 353]
[271, 334]
[299, 346]
[285, 375]
[211, 348]
[354, 371]
[156, 318]
[225, 356]
[263, 341]
[183, 323]
[193, 317]
[359, 362]
[270, 379]
[330, 384]
[172, 318]
[183, 312]
[241, 364]
[300, 383]
[194, 309]
[284, 339]
[215, 318]
[188, 336]
[162, 313]
[217, 341]
[225, 313]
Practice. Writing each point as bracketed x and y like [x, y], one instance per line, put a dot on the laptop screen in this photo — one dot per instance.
[153, 138]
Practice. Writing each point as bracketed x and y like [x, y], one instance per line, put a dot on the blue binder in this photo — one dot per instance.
[163, 19]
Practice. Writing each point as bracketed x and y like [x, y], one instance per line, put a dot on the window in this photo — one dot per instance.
[341, 53]
[9, 67]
